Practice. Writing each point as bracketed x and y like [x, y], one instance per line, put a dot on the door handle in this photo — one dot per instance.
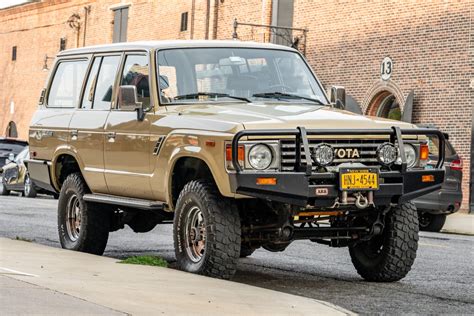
[74, 134]
[111, 137]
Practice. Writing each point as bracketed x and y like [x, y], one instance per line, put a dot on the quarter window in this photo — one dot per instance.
[67, 82]
[136, 73]
[104, 87]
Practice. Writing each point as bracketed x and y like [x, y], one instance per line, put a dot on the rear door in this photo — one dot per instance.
[88, 122]
[49, 125]
[128, 149]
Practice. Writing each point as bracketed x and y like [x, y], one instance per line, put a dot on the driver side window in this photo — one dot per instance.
[136, 73]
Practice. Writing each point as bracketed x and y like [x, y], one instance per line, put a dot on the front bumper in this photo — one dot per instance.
[299, 189]
[303, 187]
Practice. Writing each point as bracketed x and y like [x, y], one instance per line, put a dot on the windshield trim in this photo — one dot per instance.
[157, 75]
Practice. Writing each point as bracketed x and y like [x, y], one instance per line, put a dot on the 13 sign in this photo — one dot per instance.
[386, 68]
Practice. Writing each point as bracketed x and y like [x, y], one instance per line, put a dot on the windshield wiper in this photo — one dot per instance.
[281, 95]
[209, 94]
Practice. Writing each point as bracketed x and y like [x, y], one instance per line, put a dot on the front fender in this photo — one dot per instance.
[206, 146]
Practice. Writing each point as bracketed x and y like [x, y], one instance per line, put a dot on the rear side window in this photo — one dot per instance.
[90, 86]
[67, 83]
[105, 82]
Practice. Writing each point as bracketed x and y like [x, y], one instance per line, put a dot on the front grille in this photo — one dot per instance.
[367, 151]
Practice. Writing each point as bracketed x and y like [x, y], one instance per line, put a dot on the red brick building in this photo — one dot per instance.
[429, 45]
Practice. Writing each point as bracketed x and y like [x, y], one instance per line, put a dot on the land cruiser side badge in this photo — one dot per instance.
[322, 191]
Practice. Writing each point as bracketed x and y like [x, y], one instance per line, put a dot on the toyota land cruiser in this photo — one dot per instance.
[237, 144]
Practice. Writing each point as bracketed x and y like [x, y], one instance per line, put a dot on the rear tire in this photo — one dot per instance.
[206, 231]
[82, 226]
[431, 222]
[3, 188]
[29, 188]
[389, 256]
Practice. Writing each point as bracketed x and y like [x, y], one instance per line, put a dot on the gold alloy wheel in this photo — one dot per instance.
[195, 235]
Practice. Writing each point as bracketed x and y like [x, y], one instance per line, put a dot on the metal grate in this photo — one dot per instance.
[366, 148]
[157, 148]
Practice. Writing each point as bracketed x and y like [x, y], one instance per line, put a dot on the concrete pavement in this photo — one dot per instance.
[106, 287]
[459, 223]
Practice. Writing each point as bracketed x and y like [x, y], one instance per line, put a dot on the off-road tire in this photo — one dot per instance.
[222, 221]
[399, 245]
[3, 188]
[94, 228]
[431, 222]
[246, 251]
[31, 193]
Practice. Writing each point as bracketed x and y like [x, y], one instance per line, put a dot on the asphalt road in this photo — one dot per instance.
[440, 282]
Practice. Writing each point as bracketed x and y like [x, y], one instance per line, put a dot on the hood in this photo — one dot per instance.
[281, 116]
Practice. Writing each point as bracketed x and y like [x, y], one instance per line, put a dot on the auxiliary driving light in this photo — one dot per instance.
[323, 154]
[387, 154]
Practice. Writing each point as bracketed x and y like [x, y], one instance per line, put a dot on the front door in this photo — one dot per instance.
[88, 122]
[128, 150]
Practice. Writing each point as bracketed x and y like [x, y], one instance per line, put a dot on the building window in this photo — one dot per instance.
[11, 130]
[120, 24]
[13, 53]
[62, 44]
[184, 22]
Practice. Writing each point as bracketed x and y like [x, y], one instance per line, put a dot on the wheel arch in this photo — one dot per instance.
[64, 163]
[184, 169]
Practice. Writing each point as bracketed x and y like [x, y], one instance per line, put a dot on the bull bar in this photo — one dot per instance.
[298, 187]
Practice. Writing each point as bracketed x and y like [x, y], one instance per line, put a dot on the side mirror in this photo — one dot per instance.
[337, 97]
[128, 101]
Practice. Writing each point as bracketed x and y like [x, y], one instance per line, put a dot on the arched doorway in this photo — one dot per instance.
[385, 104]
[11, 130]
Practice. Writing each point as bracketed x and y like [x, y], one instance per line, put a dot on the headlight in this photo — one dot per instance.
[323, 154]
[260, 156]
[410, 154]
[387, 154]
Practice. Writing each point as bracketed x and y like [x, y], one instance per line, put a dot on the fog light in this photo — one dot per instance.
[323, 154]
[387, 154]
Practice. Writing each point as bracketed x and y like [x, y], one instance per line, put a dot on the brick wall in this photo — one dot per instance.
[429, 42]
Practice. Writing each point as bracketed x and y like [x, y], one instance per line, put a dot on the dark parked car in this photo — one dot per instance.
[434, 207]
[10, 146]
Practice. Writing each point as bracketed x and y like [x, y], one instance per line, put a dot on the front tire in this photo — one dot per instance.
[29, 188]
[431, 222]
[388, 257]
[206, 231]
[3, 188]
[82, 226]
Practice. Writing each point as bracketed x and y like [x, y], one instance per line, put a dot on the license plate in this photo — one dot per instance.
[358, 179]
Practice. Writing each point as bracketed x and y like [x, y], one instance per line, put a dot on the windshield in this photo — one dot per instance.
[235, 74]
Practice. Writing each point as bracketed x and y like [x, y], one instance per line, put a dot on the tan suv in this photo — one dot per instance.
[237, 143]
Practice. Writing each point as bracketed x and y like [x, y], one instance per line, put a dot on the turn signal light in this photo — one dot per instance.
[266, 181]
[424, 152]
[228, 153]
[427, 178]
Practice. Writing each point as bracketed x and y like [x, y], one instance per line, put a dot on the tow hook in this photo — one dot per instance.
[361, 201]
